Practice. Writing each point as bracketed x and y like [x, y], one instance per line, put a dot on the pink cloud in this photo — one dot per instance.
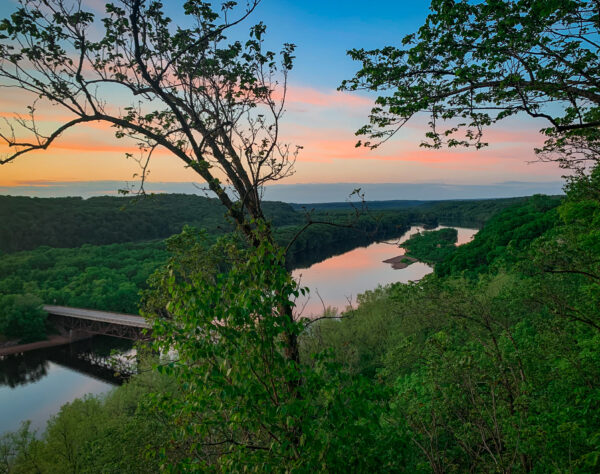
[328, 145]
[331, 98]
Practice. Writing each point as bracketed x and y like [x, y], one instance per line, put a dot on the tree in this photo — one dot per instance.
[234, 408]
[213, 103]
[22, 317]
[474, 63]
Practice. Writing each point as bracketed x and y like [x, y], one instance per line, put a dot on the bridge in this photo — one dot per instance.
[91, 321]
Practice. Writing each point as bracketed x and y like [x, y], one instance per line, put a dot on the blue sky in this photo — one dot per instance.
[318, 118]
[324, 30]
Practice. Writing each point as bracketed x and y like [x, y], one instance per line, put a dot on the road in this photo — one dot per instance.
[101, 316]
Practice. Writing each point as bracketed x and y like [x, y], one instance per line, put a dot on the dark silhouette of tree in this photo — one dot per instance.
[474, 63]
[213, 103]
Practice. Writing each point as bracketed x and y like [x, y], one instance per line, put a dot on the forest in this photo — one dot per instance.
[491, 363]
[72, 222]
[432, 246]
[111, 277]
[29, 223]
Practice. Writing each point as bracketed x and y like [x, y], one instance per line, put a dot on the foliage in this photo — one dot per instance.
[474, 63]
[372, 320]
[485, 372]
[72, 222]
[489, 365]
[22, 317]
[432, 246]
[242, 401]
[503, 238]
[494, 358]
[101, 277]
[470, 213]
[212, 102]
[567, 256]
[334, 233]
[110, 277]
[485, 395]
[349, 205]
[499, 371]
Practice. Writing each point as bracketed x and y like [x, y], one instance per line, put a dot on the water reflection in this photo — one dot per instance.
[337, 281]
[464, 236]
[34, 385]
[305, 259]
[22, 369]
[41, 400]
[90, 356]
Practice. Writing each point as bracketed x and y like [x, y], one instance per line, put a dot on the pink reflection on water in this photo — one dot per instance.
[339, 279]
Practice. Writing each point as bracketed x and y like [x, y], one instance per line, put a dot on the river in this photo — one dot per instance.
[33, 386]
[336, 281]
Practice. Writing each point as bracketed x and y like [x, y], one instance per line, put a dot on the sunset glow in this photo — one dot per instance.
[319, 118]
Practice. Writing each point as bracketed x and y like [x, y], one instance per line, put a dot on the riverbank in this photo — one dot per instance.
[52, 341]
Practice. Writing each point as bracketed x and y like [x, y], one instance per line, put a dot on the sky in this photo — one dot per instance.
[319, 118]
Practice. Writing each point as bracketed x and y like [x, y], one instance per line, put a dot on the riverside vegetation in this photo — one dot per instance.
[60, 270]
[491, 363]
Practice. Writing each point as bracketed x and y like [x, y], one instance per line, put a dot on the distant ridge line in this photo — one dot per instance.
[394, 203]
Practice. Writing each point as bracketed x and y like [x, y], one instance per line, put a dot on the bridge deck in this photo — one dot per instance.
[95, 315]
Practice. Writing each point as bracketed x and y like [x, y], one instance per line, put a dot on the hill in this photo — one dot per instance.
[28, 223]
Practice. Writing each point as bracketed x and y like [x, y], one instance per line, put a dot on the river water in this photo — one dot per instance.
[336, 281]
[33, 386]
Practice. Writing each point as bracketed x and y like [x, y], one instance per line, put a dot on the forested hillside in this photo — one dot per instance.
[28, 223]
[483, 368]
[488, 364]
[110, 277]
[471, 210]
[503, 239]
[491, 364]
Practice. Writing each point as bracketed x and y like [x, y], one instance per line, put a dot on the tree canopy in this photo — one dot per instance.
[490, 364]
[71, 222]
[474, 63]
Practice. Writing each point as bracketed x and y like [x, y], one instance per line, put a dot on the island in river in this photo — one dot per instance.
[400, 262]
